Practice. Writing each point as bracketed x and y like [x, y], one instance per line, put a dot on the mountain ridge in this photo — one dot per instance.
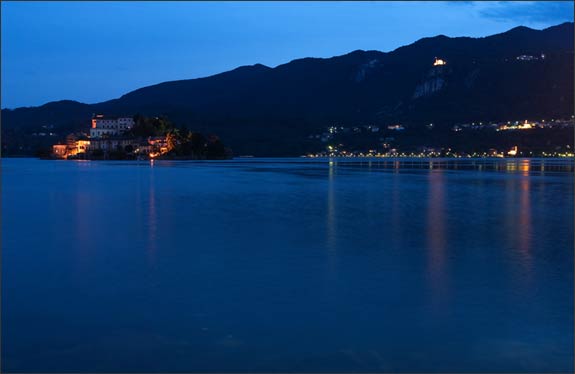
[255, 105]
[440, 36]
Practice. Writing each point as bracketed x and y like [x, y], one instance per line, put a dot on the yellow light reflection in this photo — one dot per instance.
[519, 228]
[331, 219]
[511, 166]
[525, 167]
[525, 224]
[152, 221]
[436, 241]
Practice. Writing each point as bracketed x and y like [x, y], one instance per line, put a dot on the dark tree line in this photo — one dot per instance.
[181, 142]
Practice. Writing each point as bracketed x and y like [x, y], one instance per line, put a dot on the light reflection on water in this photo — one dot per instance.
[288, 265]
[152, 219]
[331, 218]
[525, 222]
[436, 240]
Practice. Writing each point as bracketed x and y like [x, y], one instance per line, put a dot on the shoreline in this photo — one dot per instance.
[307, 159]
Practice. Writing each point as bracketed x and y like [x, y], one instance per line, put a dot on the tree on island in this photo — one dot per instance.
[181, 143]
[145, 126]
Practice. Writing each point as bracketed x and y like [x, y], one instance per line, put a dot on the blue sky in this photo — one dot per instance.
[96, 51]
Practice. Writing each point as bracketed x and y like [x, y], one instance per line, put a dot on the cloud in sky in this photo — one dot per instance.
[538, 12]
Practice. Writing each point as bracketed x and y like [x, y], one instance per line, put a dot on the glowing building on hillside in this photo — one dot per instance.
[439, 62]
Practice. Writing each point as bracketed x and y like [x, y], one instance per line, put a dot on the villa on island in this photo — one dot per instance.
[107, 135]
[113, 126]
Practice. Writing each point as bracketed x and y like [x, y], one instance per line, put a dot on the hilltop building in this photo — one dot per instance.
[396, 127]
[530, 57]
[439, 62]
[110, 126]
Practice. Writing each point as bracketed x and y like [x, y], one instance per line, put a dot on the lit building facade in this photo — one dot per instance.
[60, 150]
[73, 147]
[113, 144]
[110, 126]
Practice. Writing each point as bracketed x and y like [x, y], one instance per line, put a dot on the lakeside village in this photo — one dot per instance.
[138, 138]
[388, 136]
[344, 141]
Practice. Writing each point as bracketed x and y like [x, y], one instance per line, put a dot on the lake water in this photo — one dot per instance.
[287, 265]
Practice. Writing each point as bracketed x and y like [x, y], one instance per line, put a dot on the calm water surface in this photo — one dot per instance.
[286, 265]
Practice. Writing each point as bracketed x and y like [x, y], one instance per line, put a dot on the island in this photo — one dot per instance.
[138, 138]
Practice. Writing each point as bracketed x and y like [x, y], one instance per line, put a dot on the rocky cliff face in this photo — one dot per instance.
[364, 69]
[435, 81]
